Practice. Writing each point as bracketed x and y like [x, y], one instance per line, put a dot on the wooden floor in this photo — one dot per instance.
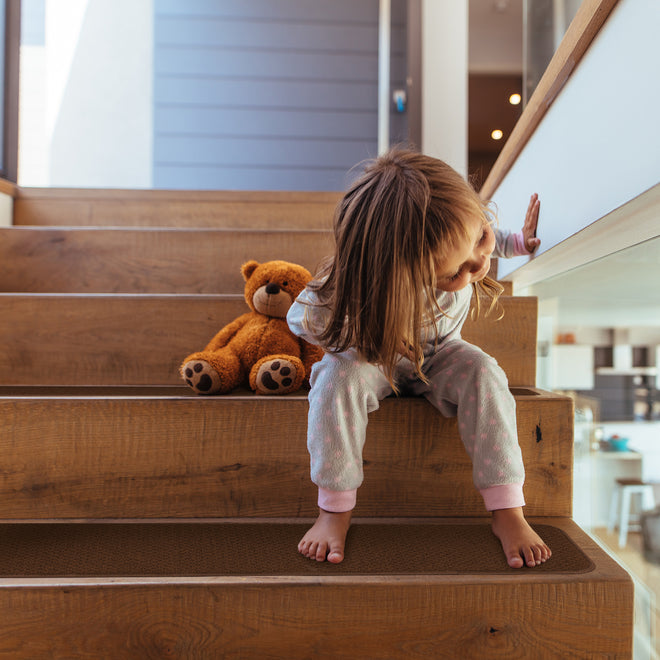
[633, 560]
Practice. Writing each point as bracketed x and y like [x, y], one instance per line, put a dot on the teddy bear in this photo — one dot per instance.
[257, 348]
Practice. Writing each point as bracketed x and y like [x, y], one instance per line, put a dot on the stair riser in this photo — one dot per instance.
[162, 208]
[195, 457]
[141, 340]
[137, 261]
[461, 618]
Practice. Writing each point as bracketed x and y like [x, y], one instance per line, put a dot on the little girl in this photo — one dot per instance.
[411, 237]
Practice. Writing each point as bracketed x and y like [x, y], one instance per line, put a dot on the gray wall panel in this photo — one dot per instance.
[237, 178]
[357, 11]
[234, 63]
[268, 94]
[233, 33]
[248, 152]
[231, 63]
[174, 120]
[265, 94]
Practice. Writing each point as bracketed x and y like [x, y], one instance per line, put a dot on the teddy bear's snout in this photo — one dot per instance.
[272, 288]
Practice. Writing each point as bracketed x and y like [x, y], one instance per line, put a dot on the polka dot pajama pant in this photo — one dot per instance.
[464, 382]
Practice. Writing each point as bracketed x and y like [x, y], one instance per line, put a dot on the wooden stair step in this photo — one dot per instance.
[151, 260]
[133, 339]
[237, 589]
[130, 260]
[83, 454]
[175, 208]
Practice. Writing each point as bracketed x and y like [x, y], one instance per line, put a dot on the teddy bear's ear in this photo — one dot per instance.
[248, 268]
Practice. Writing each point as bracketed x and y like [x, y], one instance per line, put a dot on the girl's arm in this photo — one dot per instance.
[306, 317]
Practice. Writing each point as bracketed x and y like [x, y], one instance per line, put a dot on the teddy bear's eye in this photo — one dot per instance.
[285, 283]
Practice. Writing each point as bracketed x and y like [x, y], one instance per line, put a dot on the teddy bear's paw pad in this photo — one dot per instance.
[277, 377]
[201, 376]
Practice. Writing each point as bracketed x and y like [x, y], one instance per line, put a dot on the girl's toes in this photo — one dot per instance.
[530, 559]
[336, 554]
[306, 549]
[545, 553]
[321, 551]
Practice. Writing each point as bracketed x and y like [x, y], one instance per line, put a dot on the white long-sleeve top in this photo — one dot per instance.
[307, 318]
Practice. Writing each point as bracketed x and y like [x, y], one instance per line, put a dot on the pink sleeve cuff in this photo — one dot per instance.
[337, 501]
[507, 496]
[519, 248]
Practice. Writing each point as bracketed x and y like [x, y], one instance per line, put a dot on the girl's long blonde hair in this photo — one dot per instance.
[396, 222]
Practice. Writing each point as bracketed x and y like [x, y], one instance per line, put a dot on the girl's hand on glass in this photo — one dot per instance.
[531, 222]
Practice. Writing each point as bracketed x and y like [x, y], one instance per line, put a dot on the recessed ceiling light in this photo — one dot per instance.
[515, 99]
[497, 134]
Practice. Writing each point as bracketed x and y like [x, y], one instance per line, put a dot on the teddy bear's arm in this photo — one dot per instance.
[224, 336]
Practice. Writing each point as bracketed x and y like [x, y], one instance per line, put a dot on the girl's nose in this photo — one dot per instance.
[478, 263]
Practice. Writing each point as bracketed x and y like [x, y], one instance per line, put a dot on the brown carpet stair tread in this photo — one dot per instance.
[201, 549]
[167, 392]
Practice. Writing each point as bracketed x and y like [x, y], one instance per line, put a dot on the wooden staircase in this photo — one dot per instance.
[142, 521]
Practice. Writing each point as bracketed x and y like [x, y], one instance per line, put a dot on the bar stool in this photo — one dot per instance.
[620, 507]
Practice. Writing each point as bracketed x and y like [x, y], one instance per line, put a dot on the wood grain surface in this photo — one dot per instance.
[462, 616]
[161, 456]
[177, 208]
[41, 260]
[124, 339]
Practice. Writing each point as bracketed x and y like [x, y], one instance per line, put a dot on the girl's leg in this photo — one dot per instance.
[467, 383]
[344, 390]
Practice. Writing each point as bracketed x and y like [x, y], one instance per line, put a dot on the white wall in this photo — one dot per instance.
[598, 145]
[33, 154]
[91, 125]
[444, 81]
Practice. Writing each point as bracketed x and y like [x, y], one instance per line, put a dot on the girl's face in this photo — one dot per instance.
[470, 261]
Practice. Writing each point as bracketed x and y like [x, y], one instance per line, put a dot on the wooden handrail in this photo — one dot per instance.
[589, 19]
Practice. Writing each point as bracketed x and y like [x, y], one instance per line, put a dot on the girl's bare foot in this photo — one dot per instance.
[521, 544]
[327, 537]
